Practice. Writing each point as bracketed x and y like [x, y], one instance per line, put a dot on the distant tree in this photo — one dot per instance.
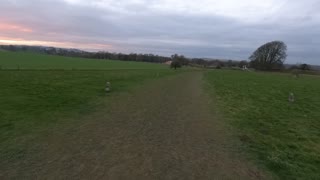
[12, 48]
[181, 59]
[175, 64]
[133, 57]
[269, 56]
[304, 67]
[220, 64]
[229, 63]
[200, 62]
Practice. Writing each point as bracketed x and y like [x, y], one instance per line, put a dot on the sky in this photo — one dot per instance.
[226, 29]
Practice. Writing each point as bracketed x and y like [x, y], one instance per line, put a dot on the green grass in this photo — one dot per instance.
[33, 101]
[282, 136]
[23, 60]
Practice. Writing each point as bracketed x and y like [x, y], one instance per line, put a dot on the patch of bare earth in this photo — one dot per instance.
[164, 130]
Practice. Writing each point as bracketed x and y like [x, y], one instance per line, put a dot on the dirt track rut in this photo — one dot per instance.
[164, 130]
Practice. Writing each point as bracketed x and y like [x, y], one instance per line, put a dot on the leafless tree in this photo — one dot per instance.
[269, 56]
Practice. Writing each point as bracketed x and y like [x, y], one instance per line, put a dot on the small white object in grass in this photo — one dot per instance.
[291, 97]
[108, 87]
[244, 68]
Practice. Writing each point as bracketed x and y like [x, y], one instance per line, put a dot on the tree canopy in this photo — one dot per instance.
[304, 67]
[269, 56]
[181, 59]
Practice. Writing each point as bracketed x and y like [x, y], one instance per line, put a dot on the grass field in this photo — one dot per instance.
[40, 94]
[282, 136]
[23, 60]
[34, 100]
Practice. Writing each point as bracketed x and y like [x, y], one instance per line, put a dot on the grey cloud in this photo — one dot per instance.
[139, 28]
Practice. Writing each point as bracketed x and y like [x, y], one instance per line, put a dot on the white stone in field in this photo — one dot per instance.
[108, 87]
[291, 97]
[244, 68]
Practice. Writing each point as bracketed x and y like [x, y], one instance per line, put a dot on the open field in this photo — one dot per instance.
[156, 123]
[34, 101]
[23, 60]
[281, 135]
[164, 129]
[31, 98]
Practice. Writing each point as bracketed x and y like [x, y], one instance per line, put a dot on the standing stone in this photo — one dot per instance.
[291, 97]
[108, 87]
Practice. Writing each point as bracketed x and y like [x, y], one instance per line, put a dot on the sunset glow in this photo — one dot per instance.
[85, 46]
[14, 27]
[17, 34]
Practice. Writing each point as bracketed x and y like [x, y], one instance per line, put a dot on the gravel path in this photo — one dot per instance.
[164, 130]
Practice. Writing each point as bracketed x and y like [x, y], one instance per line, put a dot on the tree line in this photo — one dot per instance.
[85, 54]
[268, 57]
[177, 60]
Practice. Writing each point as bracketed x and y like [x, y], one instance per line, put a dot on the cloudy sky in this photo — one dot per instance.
[228, 29]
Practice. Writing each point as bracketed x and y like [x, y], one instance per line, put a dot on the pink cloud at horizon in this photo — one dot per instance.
[16, 34]
[14, 27]
[83, 46]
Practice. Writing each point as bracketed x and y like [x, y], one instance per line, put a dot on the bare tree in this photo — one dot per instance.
[181, 59]
[269, 56]
[304, 67]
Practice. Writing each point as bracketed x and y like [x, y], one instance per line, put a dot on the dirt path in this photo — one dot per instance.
[165, 130]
